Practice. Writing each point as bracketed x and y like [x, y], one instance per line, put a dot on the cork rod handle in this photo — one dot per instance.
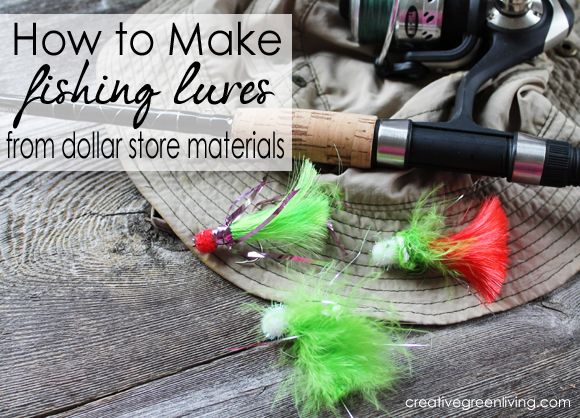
[323, 137]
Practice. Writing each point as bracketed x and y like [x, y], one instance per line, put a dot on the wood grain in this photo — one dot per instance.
[92, 300]
[70, 6]
[529, 353]
[101, 312]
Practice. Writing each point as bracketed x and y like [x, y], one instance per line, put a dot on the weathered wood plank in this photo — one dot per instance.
[530, 353]
[70, 6]
[78, 267]
[93, 300]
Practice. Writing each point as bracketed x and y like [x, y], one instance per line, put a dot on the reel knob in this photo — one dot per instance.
[513, 7]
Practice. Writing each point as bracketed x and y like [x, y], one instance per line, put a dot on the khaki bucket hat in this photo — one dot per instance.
[330, 72]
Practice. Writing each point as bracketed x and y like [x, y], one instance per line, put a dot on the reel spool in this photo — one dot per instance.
[417, 21]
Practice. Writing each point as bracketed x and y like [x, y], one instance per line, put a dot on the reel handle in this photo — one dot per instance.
[510, 45]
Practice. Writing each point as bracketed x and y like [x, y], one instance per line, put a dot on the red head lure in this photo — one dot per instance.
[298, 222]
[478, 253]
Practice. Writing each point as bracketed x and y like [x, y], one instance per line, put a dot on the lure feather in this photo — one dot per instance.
[336, 352]
[478, 253]
[302, 221]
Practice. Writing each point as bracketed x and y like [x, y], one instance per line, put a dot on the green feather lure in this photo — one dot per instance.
[304, 219]
[336, 351]
[411, 248]
[299, 222]
[478, 253]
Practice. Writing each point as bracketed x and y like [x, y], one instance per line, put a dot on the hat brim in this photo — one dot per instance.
[544, 241]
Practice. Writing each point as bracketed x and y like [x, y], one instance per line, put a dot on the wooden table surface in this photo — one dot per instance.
[100, 315]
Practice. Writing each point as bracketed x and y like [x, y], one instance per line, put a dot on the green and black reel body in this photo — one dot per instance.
[418, 36]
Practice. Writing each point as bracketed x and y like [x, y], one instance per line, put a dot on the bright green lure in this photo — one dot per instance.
[336, 352]
[303, 220]
[300, 224]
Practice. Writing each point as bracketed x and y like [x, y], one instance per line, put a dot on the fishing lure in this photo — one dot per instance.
[478, 253]
[299, 222]
[335, 351]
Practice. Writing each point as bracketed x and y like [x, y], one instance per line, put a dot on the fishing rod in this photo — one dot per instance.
[510, 32]
[359, 141]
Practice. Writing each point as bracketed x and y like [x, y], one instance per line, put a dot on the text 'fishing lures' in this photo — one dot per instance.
[478, 253]
[335, 352]
[298, 222]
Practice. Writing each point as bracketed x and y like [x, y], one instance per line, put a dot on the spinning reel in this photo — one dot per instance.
[421, 35]
[486, 37]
